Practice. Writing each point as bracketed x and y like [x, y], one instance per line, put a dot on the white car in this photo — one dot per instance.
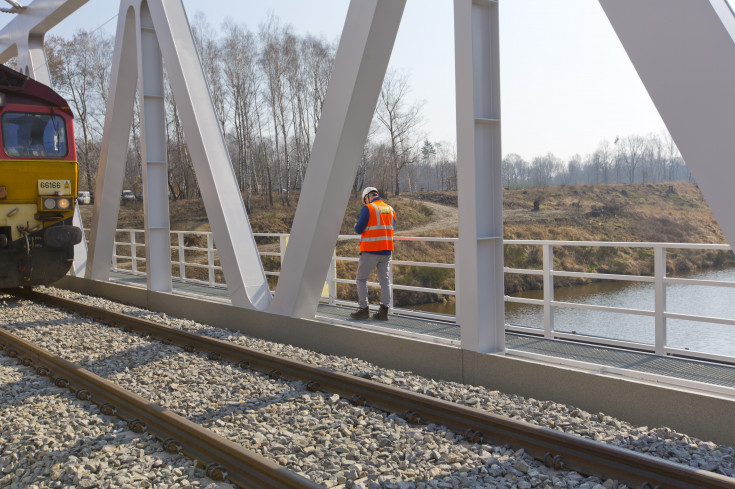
[128, 196]
[84, 198]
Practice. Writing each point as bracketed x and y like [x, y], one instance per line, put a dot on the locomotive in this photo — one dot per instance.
[38, 183]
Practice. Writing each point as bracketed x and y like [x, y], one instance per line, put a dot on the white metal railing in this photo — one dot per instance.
[135, 238]
[180, 249]
[659, 279]
[548, 303]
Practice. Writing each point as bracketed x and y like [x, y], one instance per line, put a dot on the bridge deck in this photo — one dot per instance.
[443, 331]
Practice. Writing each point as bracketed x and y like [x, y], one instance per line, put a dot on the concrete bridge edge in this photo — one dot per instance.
[702, 415]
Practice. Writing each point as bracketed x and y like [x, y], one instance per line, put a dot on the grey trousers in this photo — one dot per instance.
[366, 264]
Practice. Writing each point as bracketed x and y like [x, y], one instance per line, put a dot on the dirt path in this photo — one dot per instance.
[444, 217]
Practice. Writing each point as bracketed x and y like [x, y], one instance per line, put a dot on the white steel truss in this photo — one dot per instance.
[684, 52]
[480, 304]
[23, 36]
[153, 149]
[142, 25]
[156, 31]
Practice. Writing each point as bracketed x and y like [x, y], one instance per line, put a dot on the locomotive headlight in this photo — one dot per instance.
[55, 203]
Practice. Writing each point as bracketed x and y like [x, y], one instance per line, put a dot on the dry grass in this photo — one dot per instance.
[656, 213]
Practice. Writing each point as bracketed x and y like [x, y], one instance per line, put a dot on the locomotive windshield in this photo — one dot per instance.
[33, 135]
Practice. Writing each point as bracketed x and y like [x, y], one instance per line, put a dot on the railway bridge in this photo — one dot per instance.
[684, 52]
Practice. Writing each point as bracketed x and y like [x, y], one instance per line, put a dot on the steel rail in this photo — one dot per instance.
[228, 460]
[556, 449]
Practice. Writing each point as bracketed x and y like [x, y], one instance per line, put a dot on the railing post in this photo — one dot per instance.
[548, 254]
[283, 244]
[182, 267]
[210, 258]
[659, 270]
[283, 240]
[114, 253]
[133, 252]
[332, 278]
[456, 285]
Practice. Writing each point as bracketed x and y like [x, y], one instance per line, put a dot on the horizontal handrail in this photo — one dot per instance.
[619, 244]
[604, 276]
[689, 281]
[593, 307]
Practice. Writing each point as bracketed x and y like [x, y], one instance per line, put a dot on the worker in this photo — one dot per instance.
[375, 226]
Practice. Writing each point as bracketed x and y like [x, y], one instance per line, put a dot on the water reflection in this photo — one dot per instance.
[682, 299]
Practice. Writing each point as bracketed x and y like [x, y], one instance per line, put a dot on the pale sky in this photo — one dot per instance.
[566, 82]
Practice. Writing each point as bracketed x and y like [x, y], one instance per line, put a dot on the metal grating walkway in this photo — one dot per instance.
[676, 368]
[679, 368]
[396, 322]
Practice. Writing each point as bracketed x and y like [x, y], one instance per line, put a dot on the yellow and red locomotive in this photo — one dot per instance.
[38, 183]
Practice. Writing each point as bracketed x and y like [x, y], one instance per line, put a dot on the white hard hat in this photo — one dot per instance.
[368, 190]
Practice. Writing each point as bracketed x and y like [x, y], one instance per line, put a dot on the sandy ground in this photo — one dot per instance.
[447, 217]
[444, 217]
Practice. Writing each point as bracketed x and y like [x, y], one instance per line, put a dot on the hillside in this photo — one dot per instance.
[675, 213]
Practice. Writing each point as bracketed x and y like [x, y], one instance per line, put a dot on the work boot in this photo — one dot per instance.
[382, 314]
[362, 313]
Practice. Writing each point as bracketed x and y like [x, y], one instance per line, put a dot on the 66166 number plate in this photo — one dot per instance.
[54, 187]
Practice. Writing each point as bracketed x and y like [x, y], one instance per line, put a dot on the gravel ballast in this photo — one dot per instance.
[51, 439]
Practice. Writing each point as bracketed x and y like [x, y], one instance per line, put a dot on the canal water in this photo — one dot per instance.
[700, 300]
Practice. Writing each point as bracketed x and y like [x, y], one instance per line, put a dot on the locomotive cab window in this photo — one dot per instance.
[33, 135]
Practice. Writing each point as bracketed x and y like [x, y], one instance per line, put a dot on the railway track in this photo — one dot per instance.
[556, 449]
[178, 434]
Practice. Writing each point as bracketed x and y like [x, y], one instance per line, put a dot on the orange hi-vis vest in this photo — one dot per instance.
[378, 235]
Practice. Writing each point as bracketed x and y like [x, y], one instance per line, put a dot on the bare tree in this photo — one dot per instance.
[400, 119]
[242, 84]
[447, 161]
[511, 169]
[273, 62]
[75, 72]
[318, 60]
[574, 168]
[181, 175]
[631, 151]
[654, 161]
[298, 95]
[544, 168]
[602, 159]
[211, 58]
[671, 157]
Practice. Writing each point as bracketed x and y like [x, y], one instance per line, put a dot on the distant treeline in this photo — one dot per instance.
[632, 159]
[268, 88]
